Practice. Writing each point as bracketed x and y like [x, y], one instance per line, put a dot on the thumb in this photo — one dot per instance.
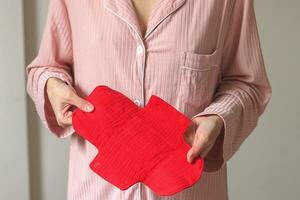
[81, 103]
[195, 150]
[191, 154]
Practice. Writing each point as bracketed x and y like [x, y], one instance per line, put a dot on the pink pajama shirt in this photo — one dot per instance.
[201, 56]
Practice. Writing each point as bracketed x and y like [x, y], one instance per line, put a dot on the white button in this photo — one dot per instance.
[137, 102]
[139, 49]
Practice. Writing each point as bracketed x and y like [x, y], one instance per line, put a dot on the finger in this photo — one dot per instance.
[203, 153]
[64, 116]
[190, 134]
[64, 121]
[68, 119]
[81, 103]
[197, 148]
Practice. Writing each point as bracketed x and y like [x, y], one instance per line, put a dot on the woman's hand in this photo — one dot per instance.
[202, 134]
[63, 99]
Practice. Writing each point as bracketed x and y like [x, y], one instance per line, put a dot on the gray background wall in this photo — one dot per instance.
[14, 178]
[266, 166]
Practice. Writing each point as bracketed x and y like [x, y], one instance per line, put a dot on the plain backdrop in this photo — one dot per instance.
[34, 163]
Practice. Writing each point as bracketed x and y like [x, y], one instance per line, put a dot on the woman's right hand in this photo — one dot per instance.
[64, 99]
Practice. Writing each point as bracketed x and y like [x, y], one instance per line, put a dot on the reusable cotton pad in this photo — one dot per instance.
[138, 144]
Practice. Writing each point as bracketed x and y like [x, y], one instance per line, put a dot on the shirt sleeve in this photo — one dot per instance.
[54, 59]
[244, 91]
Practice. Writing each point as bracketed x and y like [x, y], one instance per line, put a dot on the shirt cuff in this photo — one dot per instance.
[222, 149]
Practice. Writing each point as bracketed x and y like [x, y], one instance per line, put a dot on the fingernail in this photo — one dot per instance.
[89, 107]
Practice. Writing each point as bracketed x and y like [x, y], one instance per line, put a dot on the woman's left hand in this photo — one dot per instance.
[202, 134]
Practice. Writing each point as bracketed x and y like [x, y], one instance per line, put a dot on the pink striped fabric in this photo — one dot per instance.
[202, 57]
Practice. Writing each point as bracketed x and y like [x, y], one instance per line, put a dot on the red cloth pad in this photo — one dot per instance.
[138, 144]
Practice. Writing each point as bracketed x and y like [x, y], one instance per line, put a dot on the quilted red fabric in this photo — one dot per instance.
[138, 144]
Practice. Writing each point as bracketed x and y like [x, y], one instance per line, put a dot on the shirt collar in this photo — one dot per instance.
[124, 9]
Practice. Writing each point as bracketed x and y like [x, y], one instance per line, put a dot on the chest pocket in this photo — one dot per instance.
[199, 75]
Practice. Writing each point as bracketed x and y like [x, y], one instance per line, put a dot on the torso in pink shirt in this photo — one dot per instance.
[201, 56]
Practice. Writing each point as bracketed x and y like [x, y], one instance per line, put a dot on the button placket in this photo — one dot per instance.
[140, 56]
